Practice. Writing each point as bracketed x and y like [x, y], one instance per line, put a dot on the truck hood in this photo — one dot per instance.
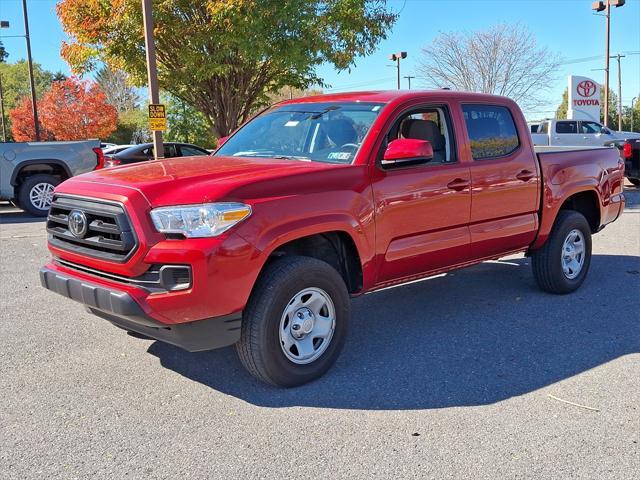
[199, 179]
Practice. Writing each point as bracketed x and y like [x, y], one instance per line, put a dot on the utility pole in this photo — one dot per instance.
[396, 57]
[409, 77]
[633, 101]
[30, 62]
[599, 6]
[4, 128]
[618, 57]
[152, 72]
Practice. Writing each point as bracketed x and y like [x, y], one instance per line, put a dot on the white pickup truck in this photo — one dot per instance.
[29, 171]
[576, 133]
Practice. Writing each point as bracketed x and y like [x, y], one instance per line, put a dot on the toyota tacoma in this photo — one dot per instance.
[313, 201]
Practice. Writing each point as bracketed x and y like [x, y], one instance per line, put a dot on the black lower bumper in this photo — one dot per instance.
[123, 311]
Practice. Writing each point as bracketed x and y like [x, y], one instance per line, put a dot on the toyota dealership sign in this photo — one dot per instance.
[584, 99]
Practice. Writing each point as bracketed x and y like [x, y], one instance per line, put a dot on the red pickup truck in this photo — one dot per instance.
[313, 201]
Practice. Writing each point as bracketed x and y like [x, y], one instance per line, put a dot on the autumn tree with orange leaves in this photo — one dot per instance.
[72, 109]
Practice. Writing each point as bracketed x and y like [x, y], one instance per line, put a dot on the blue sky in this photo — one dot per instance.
[567, 27]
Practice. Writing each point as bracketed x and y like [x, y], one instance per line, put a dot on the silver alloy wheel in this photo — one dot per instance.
[41, 195]
[573, 254]
[307, 325]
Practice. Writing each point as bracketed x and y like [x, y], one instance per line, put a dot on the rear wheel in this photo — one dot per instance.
[295, 323]
[36, 193]
[561, 265]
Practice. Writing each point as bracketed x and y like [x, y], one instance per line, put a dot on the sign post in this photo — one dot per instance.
[152, 74]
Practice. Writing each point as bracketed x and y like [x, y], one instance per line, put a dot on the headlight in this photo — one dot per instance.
[194, 221]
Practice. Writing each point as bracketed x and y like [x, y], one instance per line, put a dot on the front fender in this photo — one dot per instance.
[276, 223]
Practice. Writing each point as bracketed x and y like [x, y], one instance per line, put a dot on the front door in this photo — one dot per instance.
[422, 211]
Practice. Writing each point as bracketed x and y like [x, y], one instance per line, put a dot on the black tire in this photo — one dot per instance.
[259, 347]
[635, 181]
[24, 198]
[547, 261]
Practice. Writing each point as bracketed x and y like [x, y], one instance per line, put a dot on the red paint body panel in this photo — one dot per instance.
[405, 222]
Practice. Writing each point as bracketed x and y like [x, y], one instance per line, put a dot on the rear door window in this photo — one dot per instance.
[190, 151]
[492, 131]
[566, 127]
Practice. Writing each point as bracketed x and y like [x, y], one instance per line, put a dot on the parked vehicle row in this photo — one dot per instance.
[316, 200]
[144, 152]
[575, 133]
[29, 171]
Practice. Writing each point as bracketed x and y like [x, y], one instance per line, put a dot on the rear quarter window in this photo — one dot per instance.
[492, 131]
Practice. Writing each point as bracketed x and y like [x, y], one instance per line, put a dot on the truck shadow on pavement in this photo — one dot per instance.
[472, 337]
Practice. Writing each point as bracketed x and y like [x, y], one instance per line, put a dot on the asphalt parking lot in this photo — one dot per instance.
[465, 375]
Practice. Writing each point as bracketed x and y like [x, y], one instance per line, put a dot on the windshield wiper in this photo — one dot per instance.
[291, 157]
[328, 109]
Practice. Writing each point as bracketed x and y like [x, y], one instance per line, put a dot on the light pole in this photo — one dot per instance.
[396, 57]
[36, 123]
[599, 7]
[3, 24]
[4, 128]
[618, 57]
[409, 77]
[152, 72]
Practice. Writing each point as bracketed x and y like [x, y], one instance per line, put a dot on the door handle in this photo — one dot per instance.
[458, 184]
[525, 175]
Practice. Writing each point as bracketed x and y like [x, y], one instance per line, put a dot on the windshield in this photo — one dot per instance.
[319, 132]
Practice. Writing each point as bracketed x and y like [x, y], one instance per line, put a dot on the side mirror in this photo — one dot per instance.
[407, 150]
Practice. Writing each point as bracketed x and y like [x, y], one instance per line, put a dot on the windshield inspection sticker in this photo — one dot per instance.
[291, 123]
[339, 156]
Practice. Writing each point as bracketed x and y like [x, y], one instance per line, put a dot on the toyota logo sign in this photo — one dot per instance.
[586, 88]
[78, 223]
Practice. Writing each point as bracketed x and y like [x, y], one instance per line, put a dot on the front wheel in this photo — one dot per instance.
[561, 265]
[295, 323]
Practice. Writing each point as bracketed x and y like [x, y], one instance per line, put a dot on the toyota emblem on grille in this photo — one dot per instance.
[78, 223]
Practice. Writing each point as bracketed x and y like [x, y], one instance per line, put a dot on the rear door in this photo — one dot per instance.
[566, 134]
[505, 181]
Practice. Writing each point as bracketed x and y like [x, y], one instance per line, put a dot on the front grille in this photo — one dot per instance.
[108, 235]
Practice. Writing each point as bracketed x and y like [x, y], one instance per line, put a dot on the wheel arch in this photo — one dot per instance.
[34, 167]
[335, 244]
[582, 198]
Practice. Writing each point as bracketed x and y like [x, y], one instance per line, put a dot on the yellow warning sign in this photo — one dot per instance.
[157, 117]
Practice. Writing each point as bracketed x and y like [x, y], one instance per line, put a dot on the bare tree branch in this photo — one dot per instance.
[504, 60]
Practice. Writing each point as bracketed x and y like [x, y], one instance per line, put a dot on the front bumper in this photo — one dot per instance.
[120, 308]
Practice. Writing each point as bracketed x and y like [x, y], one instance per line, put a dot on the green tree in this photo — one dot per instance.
[561, 111]
[15, 84]
[223, 57]
[133, 127]
[186, 124]
[3, 53]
